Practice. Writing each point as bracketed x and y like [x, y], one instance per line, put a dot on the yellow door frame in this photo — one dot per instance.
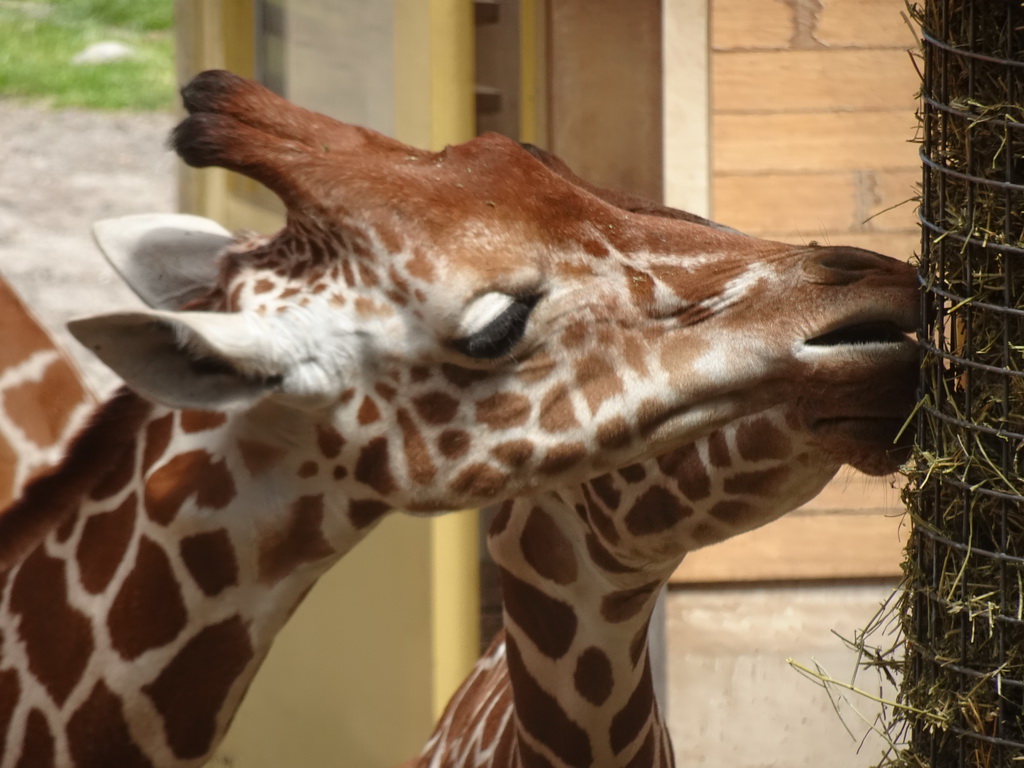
[367, 664]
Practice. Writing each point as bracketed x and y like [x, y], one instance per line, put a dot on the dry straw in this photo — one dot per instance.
[958, 622]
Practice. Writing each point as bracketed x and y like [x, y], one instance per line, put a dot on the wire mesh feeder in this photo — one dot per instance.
[962, 692]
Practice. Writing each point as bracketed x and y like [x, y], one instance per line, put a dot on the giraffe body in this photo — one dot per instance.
[430, 331]
[42, 396]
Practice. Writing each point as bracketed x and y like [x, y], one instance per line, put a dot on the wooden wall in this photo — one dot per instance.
[811, 113]
[812, 107]
[604, 88]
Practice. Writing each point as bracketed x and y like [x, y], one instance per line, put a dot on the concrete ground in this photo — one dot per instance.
[60, 170]
[734, 699]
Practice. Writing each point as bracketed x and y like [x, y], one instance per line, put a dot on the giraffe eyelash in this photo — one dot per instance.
[500, 322]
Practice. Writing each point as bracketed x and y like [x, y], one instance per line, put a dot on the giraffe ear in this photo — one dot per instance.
[168, 259]
[199, 360]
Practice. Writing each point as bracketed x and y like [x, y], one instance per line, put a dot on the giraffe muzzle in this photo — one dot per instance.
[867, 332]
[863, 418]
[874, 445]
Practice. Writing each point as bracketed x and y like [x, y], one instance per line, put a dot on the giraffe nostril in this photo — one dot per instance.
[851, 260]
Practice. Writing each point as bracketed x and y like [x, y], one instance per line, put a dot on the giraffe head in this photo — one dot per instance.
[473, 323]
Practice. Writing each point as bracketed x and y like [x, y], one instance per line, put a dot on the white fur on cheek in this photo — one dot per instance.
[319, 351]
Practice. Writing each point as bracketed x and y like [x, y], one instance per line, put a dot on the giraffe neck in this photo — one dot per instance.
[132, 626]
[576, 643]
[568, 684]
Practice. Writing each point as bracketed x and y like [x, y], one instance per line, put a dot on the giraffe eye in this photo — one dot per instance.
[493, 325]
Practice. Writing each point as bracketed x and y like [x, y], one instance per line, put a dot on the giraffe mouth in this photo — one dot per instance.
[861, 333]
[876, 445]
[861, 387]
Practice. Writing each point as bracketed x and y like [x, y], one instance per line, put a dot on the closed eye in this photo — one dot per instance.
[494, 324]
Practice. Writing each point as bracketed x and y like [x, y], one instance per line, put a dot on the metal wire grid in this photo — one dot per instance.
[965, 639]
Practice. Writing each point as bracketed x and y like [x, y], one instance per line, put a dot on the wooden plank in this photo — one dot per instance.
[808, 203]
[743, 24]
[895, 193]
[863, 23]
[809, 142]
[816, 80]
[772, 24]
[605, 91]
[851, 530]
[804, 546]
[817, 205]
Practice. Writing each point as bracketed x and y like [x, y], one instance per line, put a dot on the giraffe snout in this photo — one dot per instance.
[865, 298]
[844, 265]
[860, 365]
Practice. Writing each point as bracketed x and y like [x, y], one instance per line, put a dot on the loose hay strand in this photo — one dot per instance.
[959, 651]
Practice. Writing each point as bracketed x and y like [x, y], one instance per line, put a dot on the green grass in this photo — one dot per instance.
[39, 39]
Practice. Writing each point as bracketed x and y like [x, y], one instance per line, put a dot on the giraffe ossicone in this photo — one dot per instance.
[429, 331]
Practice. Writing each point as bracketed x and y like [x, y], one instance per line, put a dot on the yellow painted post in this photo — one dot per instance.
[366, 665]
[532, 76]
[434, 100]
[198, 42]
[455, 572]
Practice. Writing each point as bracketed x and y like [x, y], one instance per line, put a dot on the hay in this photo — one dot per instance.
[959, 652]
